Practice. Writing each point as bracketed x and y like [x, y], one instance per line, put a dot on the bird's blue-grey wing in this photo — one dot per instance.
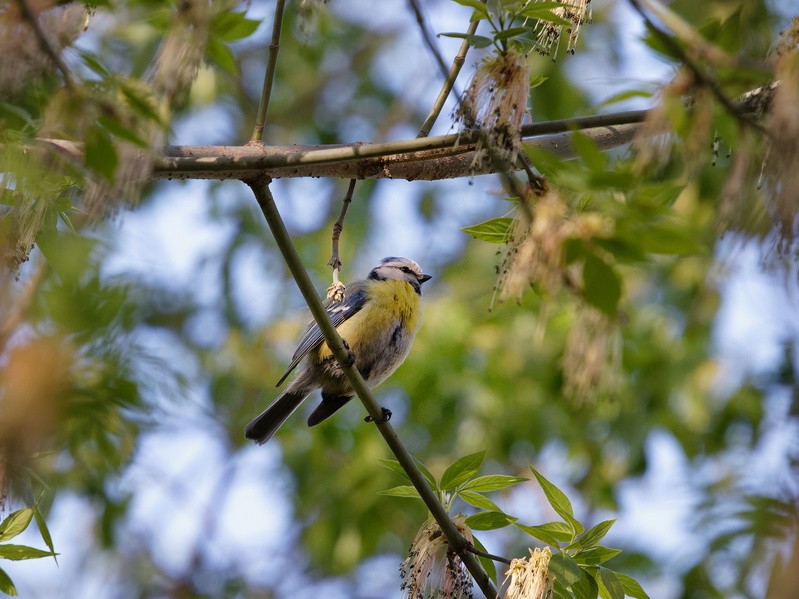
[338, 312]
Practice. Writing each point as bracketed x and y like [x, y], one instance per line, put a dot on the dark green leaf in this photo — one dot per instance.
[15, 523]
[6, 585]
[479, 501]
[402, 491]
[552, 533]
[477, 41]
[601, 285]
[489, 520]
[610, 584]
[631, 586]
[559, 502]
[20, 552]
[493, 482]
[495, 230]
[462, 470]
[565, 569]
[595, 555]
[593, 535]
[488, 564]
[586, 587]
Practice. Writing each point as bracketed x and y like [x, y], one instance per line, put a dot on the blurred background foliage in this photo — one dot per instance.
[141, 331]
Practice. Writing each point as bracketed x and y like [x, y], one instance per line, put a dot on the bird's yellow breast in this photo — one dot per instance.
[389, 302]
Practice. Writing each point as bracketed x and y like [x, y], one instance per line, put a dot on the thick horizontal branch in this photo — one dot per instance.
[427, 158]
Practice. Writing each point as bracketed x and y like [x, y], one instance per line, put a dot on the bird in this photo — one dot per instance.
[378, 320]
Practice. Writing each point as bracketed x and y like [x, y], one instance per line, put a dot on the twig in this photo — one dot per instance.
[699, 74]
[45, 43]
[491, 556]
[269, 76]
[449, 83]
[457, 542]
[336, 290]
[428, 37]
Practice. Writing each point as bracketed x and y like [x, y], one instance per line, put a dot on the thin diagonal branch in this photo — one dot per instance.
[47, 46]
[336, 290]
[449, 83]
[269, 76]
[428, 37]
[457, 542]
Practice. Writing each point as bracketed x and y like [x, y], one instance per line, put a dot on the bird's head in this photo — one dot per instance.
[402, 269]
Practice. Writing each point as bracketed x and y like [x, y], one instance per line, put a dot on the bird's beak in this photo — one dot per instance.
[425, 278]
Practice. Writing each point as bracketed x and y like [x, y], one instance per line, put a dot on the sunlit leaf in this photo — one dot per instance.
[461, 470]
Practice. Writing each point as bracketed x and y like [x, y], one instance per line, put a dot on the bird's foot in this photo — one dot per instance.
[384, 418]
[350, 355]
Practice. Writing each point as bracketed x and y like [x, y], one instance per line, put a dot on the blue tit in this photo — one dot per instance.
[378, 319]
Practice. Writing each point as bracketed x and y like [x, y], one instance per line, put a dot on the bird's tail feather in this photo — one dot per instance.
[263, 426]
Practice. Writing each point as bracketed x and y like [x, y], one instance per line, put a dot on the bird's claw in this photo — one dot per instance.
[350, 354]
[384, 418]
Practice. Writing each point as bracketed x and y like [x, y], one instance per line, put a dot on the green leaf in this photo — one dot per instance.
[620, 97]
[479, 501]
[593, 535]
[565, 569]
[552, 533]
[219, 53]
[6, 585]
[91, 61]
[595, 555]
[610, 584]
[431, 480]
[496, 230]
[20, 552]
[537, 80]
[667, 238]
[488, 564]
[586, 587]
[112, 125]
[44, 531]
[232, 26]
[462, 470]
[100, 154]
[477, 41]
[402, 491]
[479, 7]
[586, 148]
[631, 586]
[15, 523]
[493, 482]
[394, 466]
[543, 12]
[559, 502]
[509, 33]
[601, 285]
[489, 520]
